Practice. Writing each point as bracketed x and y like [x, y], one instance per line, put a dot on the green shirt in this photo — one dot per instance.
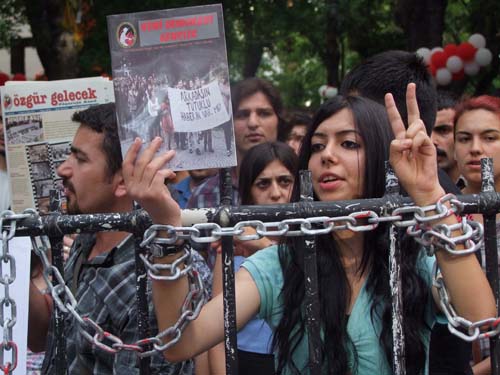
[265, 269]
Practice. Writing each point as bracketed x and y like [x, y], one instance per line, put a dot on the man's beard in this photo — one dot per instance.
[72, 207]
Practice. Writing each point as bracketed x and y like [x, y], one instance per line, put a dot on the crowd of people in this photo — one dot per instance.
[388, 109]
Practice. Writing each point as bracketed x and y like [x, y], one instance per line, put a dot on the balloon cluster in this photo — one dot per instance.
[453, 62]
[327, 92]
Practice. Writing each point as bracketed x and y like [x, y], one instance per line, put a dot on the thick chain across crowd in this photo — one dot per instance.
[416, 220]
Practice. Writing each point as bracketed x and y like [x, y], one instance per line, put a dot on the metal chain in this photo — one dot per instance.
[8, 310]
[414, 218]
[106, 341]
[433, 238]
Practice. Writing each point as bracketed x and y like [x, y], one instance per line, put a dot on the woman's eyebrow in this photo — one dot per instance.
[340, 132]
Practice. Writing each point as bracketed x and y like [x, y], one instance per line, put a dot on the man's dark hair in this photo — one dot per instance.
[445, 100]
[293, 118]
[250, 86]
[390, 72]
[102, 119]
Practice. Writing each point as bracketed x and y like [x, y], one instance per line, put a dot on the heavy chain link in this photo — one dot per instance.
[8, 309]
[416, 220]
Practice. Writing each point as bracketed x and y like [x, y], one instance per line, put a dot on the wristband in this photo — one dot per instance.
[159, 251]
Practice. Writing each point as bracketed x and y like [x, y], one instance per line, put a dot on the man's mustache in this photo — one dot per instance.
[68, 185]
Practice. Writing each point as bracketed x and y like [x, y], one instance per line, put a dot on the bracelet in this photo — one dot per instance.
[161, 250]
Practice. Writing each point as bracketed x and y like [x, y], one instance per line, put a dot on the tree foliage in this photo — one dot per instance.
[298, 44]
[11, 17]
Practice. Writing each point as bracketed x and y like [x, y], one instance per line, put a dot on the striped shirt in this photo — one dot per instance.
[106, 292]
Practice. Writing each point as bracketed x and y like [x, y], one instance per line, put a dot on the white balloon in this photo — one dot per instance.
[443, 76]
[471, 68]
[483, 56]
[477, 40]
[322, 90]
[435, 49]
[331, 91]
[425, 53]
[454, 64]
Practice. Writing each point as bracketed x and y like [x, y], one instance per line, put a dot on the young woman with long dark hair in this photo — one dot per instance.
[344, 149]
[268, 178]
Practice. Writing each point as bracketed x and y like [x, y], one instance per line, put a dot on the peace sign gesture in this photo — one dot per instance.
[412, 153]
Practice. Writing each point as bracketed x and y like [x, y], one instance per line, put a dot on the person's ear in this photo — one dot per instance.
[120, 190]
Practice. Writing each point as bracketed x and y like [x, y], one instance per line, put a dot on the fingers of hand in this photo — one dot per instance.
[145, 158]
[400, 145]
[129, 159]
[423, 145]
[397, 124]
[411, 103]
[153, 168]
[414, 128]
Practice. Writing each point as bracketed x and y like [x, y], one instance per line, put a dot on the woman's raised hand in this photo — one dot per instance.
[412, 153]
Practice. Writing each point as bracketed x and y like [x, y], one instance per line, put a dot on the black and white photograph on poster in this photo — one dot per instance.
[38, 153]
[60, 151]
[24, 129]
[174, 83]
[43, 205]
[43, 187]
[58, 185]
[41, 171]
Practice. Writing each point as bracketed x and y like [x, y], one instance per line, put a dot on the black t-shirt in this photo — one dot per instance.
[446, 183]
[448, 354]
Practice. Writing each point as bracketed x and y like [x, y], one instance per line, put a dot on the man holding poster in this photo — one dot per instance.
[100, 270]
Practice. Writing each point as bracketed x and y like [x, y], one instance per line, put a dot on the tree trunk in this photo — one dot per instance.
[253, 57]
[331, 57]
[55, 45]
[422, 21]
[17, 54]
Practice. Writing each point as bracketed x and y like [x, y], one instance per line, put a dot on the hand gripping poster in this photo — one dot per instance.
[170, 77]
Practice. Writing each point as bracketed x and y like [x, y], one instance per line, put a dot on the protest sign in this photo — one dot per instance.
[38, 133]
[171, 80]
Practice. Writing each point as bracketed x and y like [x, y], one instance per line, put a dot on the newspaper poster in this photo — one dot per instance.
[170, 76]
[38, 132]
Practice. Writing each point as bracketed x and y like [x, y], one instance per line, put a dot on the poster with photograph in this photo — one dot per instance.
[38, 133]
[171, 79]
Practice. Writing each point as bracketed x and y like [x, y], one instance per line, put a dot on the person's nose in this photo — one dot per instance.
[253, 120]
[329, 155]
[476, 146]
[434, 139]
[64, 170]
[276, 192]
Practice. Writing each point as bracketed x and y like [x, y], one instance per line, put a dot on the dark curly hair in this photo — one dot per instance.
[102, 119]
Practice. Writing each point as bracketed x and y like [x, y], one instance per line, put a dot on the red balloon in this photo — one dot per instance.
[438, 59]
[458, 76]
[19, 77]
[451, 49]
[466, 51]
[432, 69]
[3, 78]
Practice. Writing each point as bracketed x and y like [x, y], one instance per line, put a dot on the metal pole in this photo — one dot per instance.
[398, 337]
[490, 246]
[311, 282]
[141, 298]
[56, 244]
[228, 292]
